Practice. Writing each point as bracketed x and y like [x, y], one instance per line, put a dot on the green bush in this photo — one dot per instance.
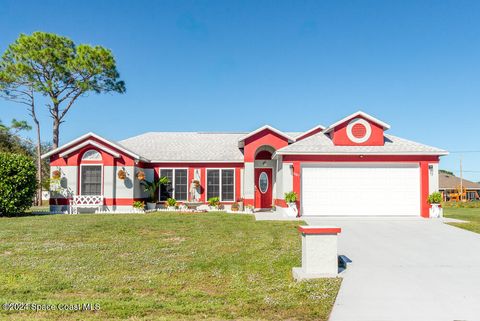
[17, 183]
[213, 201]
[139, 204]
[467, 204]
[435, 198]
[171, 202]
[291, 197]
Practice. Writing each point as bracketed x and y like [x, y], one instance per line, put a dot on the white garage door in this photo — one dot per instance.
[360, 189]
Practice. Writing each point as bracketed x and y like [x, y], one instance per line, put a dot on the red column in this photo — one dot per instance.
[296, 183]
[203, 184]
[424, 208]
[190, 176]
[238, 185]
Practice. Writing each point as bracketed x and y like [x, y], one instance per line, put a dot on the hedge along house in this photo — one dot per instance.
[352, 167]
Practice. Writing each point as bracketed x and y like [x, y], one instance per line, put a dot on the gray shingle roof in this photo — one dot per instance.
[186, 146]
[223, 147]
[322, 144]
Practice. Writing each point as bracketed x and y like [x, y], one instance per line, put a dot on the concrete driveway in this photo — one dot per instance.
[406, 269]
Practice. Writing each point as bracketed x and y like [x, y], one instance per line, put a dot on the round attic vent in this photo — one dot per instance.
[359, 130]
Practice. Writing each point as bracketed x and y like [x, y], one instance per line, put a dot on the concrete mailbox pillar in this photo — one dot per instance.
[319, 252]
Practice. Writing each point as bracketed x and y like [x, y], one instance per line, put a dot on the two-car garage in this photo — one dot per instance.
[360, 189]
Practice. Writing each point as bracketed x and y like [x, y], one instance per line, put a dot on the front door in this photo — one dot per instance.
[263, 187]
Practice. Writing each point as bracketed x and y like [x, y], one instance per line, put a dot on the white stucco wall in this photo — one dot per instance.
[118, 188]
[287, 175]
[268, 164]
[68, 181]
[433, 178]
[105, 209]
[248, 183]
[242, 179]
[279, 179]
[319, 254]
[139, 190]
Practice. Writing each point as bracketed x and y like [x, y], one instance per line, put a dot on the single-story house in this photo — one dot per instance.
[351, 167]
[451, 184]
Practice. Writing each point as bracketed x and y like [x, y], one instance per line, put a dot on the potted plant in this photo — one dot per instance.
[240, 204]
[141, 175]
[138, 206]
[56, 174]
[291, 199]
[434, 200]
[235, 207]
[121, 174]
[171, 204]
[213, 203]
[249, 208]
[151, 188]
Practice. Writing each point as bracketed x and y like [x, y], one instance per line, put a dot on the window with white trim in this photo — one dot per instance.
[221, 184]
[91, 180]
[177, 187]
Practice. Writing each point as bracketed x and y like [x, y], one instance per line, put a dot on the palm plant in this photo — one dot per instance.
[152, 187]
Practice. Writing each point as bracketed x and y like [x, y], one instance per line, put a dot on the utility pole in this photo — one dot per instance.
[461, 180]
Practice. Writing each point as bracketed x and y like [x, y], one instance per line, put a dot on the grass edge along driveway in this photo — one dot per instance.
[470, 215]
[163, 266]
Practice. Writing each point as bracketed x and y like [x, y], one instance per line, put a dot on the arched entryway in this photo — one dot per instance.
[264, 179]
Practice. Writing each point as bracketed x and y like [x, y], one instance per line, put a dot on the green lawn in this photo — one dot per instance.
[472, 215]
[158, 267]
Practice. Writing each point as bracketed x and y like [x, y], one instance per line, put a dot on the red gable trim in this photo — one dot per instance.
[310, 132]
[269, 128]
[262, 138]
[97, 138]
[93, 143]
[74, 158]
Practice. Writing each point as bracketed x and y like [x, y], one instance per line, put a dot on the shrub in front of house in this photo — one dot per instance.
[214, 201]
[139, 205]
[18, 183]
[467, 204]
[235, 207]
[171, 202]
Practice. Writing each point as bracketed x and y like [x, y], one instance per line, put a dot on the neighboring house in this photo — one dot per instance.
[450, 184]
[352, 167]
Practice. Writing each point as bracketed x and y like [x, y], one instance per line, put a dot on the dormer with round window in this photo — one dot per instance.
[358, 129]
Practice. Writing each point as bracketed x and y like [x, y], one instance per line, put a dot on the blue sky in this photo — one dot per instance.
[236, 65]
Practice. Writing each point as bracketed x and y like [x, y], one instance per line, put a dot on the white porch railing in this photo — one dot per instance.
[85, 201]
